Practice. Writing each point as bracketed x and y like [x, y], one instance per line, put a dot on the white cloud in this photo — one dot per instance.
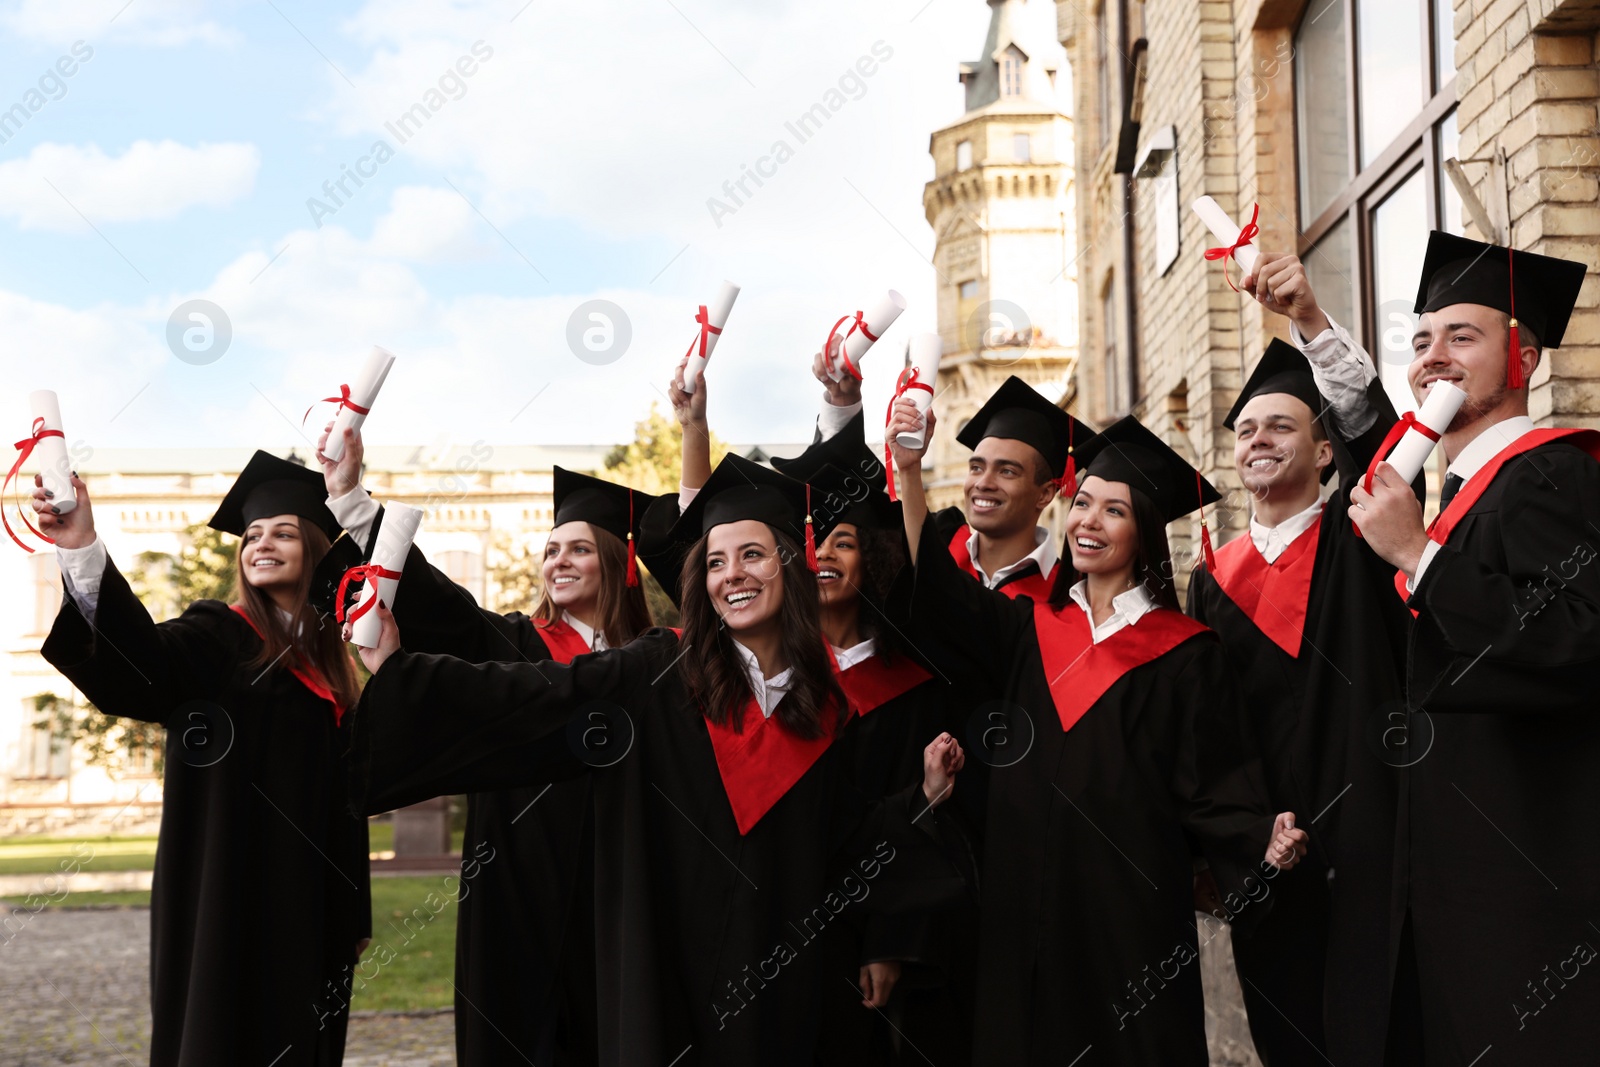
[148, 181]
[426, 225]
[156, 23]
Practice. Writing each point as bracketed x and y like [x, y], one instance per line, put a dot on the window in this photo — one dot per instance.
[1375, 119]
[1011, 72]
[1102, 69]
[964, 155]
[969, 290]
[465, 569]
[41, 754]
[1021, 149]
[1117, 391]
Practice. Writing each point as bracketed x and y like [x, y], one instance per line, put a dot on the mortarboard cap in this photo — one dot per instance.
[1127, 452]
[1283, 369]
[1019, 412]
[1538, 292]
[847, 481]
[614, 508]
[739, 490]
[271, 486]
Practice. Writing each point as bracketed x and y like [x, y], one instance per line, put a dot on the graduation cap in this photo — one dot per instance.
[739, 490]
[1283, 369]
[1019, 412]
[847, 481]
[614, 508]
[1127, 452]
[1536, 291]
[271, 486]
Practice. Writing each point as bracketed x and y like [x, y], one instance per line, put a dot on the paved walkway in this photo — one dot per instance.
[75, 986]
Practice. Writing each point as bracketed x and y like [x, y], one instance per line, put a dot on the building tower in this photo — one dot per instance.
[1001, 207]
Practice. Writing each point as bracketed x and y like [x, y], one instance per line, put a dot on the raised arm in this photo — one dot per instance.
[690, 410]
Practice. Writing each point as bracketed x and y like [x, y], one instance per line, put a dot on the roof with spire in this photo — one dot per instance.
[1022, 35]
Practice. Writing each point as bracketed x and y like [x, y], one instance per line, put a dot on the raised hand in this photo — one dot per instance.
[1288, 845]
[388, 639]
[903, 418]
[689, 408]
[344, 474]
[75, 529]
[1280, 285]
[844, 392]
[942, 760]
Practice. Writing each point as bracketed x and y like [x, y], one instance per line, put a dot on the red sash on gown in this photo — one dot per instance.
[760, 763]
[1080, 671]
[1273, 595]
[562, 640]
[308, 678]
[1035, 585]
[872, 683]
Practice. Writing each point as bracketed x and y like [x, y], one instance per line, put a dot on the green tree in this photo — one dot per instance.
[652, 462]
[514, 577]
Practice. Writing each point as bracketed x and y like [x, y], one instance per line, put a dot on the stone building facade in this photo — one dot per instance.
[1342, 120]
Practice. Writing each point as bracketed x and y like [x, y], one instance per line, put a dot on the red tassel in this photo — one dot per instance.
[1205, 532]
[1069, 479]
[1514, 366]
[633, 559]
[811, 537]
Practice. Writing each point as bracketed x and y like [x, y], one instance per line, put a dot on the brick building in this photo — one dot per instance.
[1343, 120]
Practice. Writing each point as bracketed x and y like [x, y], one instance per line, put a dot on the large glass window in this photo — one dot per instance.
[1375, 114]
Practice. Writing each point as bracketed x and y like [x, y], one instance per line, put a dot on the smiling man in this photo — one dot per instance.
[1502, 670]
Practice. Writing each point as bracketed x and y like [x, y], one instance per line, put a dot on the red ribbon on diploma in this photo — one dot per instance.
[1227, 252]
[26, 447]
[902, 385]
[860, 323]
[360, 573]
[343, 400]
[706, 330]
[1408, 421]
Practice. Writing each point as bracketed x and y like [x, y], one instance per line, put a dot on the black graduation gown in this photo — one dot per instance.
[1504, 663]
[705, 935]
[1320, 714]
[524, 982]
[261, 885]
[1088, 946]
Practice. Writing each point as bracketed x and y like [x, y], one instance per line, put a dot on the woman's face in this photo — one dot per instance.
[571, 567]
[839, 571]
[744, 576]
[1101, 532]
[273, 555]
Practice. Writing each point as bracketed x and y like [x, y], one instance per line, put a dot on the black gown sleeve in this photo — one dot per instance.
[1527, 632]
[129, 665]
[432, 725]
[979, 625]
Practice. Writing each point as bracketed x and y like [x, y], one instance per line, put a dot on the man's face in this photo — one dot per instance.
[1003, 494]
[1464, 344]
[1273, 450]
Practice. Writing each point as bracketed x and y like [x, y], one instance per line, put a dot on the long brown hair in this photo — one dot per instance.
[713, 673]
[620, 607]
[311, 640]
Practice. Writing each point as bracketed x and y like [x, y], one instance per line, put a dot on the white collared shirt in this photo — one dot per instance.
[1343, 371]
[355, 511]
[833, 418]
[591, 637]
[1273, 541]
[1480, 451]
[768, 691]
[81, 569]
[1045, 554]
[1127, 608]
[849, 657]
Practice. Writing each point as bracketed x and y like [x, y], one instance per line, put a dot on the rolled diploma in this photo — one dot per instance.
[1224, 229]
[717, 315]
[880, 318]
[926, 348]
[55, 470]
[400, 522]
[1438, 408]
[363, 392]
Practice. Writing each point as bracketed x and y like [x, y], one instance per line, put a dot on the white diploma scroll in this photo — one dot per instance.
[716, 319]
[1438, 408]
[55, 469]
[926, 348]
[400, 522]
[362, 394]
[1224, 229]
[856, 344]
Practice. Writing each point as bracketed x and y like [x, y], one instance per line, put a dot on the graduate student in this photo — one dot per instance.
[1316, 638]
[1502, 667]
[1130, 743]
[1022, 448]
[901, 706]
[524, 930]
[260, 906]
[728, 835]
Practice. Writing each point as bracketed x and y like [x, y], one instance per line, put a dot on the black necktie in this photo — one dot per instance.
[1452, 482]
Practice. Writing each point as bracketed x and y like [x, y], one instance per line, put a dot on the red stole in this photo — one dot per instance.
[872, 683]
[562, 640]
[1273, 595]
[308, 678]
[760, 762]
[1080, 671]
[1446, 521]
[1035, 585]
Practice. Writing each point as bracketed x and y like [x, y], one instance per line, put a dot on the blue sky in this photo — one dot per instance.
[575, 163]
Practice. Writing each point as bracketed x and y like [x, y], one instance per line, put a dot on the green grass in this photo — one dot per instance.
[129, 898]
[410, 964]
[34, 855]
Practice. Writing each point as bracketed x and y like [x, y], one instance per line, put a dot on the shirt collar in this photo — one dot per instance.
[1276, 538]
[849, 657]
[1128, 606]
[1488, 444]
[596, 641]
[767, 691]
[1045, 555]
